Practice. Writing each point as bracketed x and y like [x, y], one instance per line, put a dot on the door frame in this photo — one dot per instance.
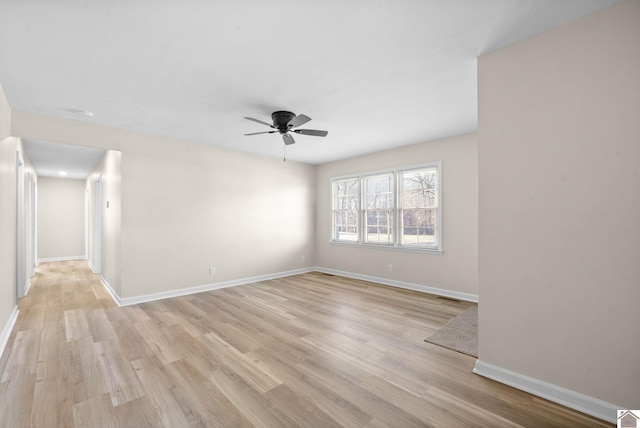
[20, 229]
[97, 227]
[32, 257]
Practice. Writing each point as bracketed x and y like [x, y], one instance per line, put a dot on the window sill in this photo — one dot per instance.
[408, 249]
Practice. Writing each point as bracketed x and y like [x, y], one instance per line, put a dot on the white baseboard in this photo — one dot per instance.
[566, 397]
[400, 284]
[27, 286]
[127, 301]
[61, 259]
[92, 267]
[116, 298]
[6, 331]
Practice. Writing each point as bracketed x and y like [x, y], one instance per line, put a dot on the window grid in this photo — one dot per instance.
[378, 210]
[399, 208]
[345, 209]
[418, 206]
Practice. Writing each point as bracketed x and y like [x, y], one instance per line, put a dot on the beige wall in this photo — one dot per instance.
[8, 147]
[456, 269]
[559, 181]
[61, 212]
[5, 116]
[187, 207]
[108, 172]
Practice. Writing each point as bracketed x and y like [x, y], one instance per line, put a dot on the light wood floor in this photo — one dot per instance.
[310, 350]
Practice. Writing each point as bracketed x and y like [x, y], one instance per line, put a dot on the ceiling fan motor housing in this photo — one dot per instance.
[281, 120]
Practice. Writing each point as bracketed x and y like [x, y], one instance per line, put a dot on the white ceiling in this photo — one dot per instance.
[376, 74]
[50, 159]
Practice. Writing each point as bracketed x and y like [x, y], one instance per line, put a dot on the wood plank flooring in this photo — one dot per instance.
[309, 350]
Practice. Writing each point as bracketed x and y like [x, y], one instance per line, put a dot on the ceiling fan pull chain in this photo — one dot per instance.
[284, 153]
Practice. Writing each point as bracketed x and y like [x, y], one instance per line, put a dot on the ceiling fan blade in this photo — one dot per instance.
[263, 132]
[313, 132]
[288, 139]
[300, 119]
[259, 121]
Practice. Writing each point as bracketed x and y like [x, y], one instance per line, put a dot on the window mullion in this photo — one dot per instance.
[361, 211]
[396, 210]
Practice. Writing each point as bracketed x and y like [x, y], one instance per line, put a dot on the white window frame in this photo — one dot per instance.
[364, 188]
[334, 211]
[397, 221]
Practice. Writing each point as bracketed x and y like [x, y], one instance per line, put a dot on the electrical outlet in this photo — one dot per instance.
[212, 270]
[390, 267]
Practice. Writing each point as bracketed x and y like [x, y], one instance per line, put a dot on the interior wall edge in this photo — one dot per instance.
[128, 301]
[401, 284]
[566, 397]
[8, 328]
[114, 295]
[61, 259]
[91, 266]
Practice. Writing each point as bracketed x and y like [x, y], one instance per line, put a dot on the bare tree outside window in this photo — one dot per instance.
[346, 205]
[378, 213]
[419, 207]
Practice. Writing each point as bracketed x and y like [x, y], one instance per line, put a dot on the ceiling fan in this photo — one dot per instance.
[284, 122]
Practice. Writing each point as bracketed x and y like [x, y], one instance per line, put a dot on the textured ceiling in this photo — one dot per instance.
[375, 74]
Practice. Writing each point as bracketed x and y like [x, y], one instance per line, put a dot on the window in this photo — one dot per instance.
[397, 209]
[346, 203]
[418, 206]
[378, 209]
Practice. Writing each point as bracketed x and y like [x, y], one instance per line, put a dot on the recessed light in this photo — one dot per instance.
[79, 112]
[63, 173]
